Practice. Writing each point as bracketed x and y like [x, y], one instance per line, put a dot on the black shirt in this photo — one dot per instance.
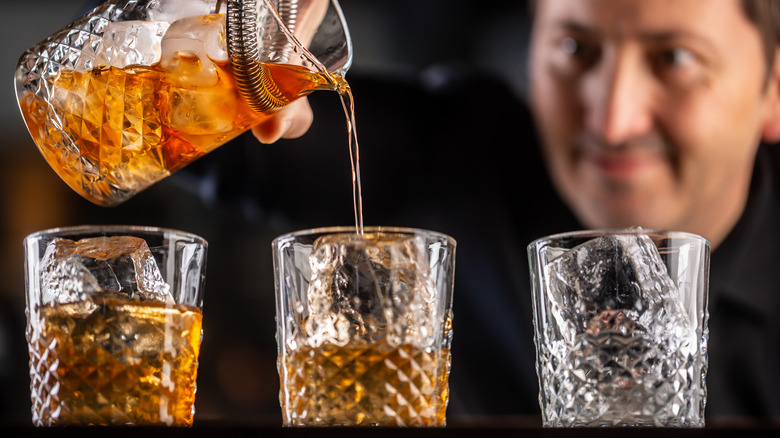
[744, 347]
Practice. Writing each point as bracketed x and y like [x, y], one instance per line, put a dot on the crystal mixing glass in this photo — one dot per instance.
[137, 89]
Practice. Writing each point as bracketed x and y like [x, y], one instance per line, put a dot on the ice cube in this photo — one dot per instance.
[121, 265]
[367, 287]
[125, 43]
[189, 48]
[172, 10]
[614, 273]
[622, 343]
[201, 112]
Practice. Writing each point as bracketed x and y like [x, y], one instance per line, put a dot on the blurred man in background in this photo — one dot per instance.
[652, 113]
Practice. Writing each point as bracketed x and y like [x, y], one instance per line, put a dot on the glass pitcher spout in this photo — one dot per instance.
[137, 89]
[257, 37]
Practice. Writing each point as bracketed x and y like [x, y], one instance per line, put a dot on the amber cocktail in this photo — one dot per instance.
[114, 325]
[364, 326]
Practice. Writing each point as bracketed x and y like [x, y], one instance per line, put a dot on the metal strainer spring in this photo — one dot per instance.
[253, 79]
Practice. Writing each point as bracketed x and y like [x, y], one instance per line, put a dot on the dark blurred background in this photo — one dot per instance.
[237, 380]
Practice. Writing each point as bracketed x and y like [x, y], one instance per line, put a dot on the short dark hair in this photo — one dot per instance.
[765, 15]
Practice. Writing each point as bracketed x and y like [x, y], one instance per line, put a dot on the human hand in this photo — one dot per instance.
[290, 122]
[296, 118]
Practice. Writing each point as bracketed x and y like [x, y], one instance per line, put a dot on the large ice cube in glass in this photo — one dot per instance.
[205, 111]
[199, 103]
[367, 287]
[121, 265]
[614, 343]
[614, 273]
[191, 46]
[125, 43]
[172, 10]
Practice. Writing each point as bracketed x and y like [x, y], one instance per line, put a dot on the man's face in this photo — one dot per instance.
[650, 111]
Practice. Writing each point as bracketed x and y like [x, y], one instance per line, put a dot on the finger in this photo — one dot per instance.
[302, 120]
[292, 121]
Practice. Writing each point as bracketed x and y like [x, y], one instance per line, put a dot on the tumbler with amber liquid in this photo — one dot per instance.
[364, 326]
[114, 325]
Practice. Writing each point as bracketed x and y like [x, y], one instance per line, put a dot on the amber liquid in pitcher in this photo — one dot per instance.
[137, 125]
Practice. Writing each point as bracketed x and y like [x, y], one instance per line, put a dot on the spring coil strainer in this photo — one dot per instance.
[261, 31]
[254, 82]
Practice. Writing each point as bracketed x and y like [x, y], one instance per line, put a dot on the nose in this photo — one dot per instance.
[618, 99]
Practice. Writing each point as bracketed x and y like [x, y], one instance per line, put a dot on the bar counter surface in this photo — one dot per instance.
[482, 427]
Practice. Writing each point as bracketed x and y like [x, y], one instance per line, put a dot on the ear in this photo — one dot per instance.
[771, 129]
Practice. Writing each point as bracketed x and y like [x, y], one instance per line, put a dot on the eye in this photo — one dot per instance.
[570, 45]
[580, 49]
[677, 66]
[676, 57]
[573, 54]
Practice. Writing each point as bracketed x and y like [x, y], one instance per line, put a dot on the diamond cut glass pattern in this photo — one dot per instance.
[364, 326]
[621, 327]
[114, 318]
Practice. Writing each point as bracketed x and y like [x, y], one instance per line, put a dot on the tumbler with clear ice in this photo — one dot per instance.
[620, 321]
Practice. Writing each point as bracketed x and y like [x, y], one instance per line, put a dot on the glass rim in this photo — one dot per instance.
[341, 229]
[85, 229]
[618, 232]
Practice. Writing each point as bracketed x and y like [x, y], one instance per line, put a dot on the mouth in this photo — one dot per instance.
[622, 166]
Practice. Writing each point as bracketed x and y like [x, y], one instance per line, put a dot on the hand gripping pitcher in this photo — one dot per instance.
[137, 89]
